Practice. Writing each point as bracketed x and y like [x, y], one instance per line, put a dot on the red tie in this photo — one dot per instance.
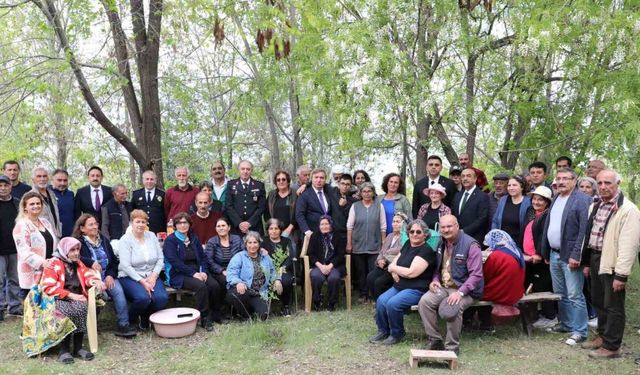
[97, 202]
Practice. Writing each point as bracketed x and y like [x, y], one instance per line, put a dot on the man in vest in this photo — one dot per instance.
[115, 213]
[457, 283]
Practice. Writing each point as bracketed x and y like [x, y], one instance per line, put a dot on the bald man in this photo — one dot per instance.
[481, 177]
[457, 283]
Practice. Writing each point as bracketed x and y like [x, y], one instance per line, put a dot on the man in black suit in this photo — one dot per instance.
[150, 199]
[471, 207]
[420, 194]
[314, 202]
[89, 199]
[246, 201]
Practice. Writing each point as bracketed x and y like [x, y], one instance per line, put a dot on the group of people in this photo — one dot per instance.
[233, 244]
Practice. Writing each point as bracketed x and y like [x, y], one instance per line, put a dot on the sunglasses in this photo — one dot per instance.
[416, 231]
[281, 179]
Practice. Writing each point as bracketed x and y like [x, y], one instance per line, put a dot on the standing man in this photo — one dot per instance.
[246, 201]
[219, 180]
[337, 171]
[420, 193]
[562, 236]
[180, 197]
[563, 162]
[471, 207]
[90, 198]
[609, 252]
[150, 199]
[481, 178]
[11, 169]
[314, 202]
[538, 175]
[40, 179]
[66, 205]
[499, 190]
[10, 300]
[457, 283]
[115, 213]
[340, 205]
[594, 167]
[455, 173]
[303, 175]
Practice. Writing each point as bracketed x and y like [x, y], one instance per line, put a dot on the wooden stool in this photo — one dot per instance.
[433, 355]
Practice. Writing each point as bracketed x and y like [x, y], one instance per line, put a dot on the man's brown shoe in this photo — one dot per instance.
[593, 344]
[604, 353]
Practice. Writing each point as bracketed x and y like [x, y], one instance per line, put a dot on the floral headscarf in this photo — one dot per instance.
[499, 240]
[64, 246]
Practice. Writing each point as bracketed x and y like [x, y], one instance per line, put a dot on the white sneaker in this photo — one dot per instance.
[544, 323]
[593, 323]
[574, 340]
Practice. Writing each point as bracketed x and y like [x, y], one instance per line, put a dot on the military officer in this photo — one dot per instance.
[245, 201]
[150, 199]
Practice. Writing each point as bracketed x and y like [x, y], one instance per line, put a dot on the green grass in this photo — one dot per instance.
[323, 343]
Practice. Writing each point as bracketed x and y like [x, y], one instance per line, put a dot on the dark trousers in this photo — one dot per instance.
[379, 281]
[333, 282]
[609, 304]
[362, 265]
[208, 296]
[287, 289]
[247, 303]
[539, 275]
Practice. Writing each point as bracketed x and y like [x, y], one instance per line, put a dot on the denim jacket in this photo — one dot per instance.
[240, 270]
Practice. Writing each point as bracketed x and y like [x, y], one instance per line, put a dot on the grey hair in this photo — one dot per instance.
[301, 168]
[252, 234]
[368, 185]
[421, 223]
[149, 171]
[180, 168]
[245, 161]
[594, 184]
[117, 187]
[616, 174]
[36, 169]
[567, 170]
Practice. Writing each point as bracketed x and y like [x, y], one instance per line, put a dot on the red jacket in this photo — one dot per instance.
[53, 279]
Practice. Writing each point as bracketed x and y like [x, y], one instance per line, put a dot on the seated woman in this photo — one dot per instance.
[412, 272]
[431, 212]
[96, 252]
[274, 242]
[186, 267]
[379, 280]
[68, 281]
[249, 276]
[220, 249]
[503, 272]
[326, 256]
[141, 261]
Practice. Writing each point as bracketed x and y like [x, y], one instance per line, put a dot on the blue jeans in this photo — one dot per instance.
[9, 287]
[572, 308]
[119, 303]
[139, 301]
[390, 309]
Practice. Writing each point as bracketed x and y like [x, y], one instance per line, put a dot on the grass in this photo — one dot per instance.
[323, 343]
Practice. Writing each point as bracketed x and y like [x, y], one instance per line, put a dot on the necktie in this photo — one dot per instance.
[148, 197]
[321, 199]
[244, 186]
[97, 201]
[464, 200]
[432, 182]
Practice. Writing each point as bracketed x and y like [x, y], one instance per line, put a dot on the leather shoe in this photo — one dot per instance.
[391, 340]
[435, 345]
[593, 344]
[381, 336]
[604, 353]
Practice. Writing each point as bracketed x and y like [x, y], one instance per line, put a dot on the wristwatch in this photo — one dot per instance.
[461, 294]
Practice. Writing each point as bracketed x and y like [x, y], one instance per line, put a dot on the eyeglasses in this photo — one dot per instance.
[416, 231]
[281, 179]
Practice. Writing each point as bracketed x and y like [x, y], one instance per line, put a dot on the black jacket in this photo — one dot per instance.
[420, 197]
[86, 256]
[155, 209]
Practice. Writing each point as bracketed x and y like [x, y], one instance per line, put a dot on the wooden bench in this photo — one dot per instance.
[417, 355]
[527, 324]
[178, 293]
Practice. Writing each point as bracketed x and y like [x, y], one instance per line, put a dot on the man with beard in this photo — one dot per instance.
[180, 197]
[40, 179]
[481, 178]
[90, 198]
[150, 199]
[66, 205]
[219, 180]
[420, 194]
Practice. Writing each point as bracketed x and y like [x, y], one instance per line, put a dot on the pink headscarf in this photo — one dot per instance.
[65, 245]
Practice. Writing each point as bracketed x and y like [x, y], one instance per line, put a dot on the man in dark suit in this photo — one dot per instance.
[246, 201]
[420, 194]
[471, 207]
[89, 199]
[314, 202]
[150, 199]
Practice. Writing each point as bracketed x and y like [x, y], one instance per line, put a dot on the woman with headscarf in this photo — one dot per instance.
[379, 280]
[326, 256]
[503, 272]
[68, 280]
